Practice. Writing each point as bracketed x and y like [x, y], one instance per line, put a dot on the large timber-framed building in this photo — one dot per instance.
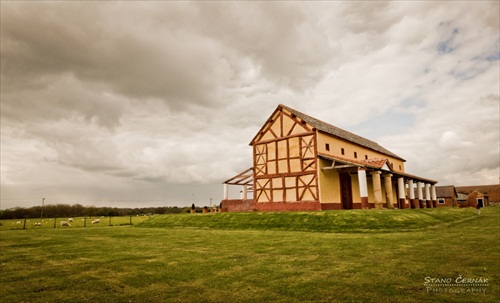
[302, 163]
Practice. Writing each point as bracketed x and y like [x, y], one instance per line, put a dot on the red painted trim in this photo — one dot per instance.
[402, 203]
[364, 203]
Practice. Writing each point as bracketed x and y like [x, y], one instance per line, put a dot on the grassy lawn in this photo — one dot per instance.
[268, 257]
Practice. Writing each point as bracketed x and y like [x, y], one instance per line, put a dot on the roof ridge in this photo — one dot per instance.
[341, 133]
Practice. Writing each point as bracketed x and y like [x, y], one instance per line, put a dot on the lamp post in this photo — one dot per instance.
[41, 212]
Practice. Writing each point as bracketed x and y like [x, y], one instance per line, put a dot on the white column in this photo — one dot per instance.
[420, 195]
[411, 190]
[389, 201]
[377, 189]
[226, 191]
[401, 193]
[428, 195]
[363, 188]
[433, 193]
[244, 192]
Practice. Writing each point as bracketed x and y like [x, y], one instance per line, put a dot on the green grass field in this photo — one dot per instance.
[333, 256]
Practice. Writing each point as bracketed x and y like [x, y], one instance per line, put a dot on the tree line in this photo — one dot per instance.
[78, 210]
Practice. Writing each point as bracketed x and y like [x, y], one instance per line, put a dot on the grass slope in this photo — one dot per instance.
[322, 221]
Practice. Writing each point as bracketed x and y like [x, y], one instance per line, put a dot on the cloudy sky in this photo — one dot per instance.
[132, 104]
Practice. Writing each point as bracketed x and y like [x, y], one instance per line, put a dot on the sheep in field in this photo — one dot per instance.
[38, 224]
[96, 221]
[70, 220]
[65, 223]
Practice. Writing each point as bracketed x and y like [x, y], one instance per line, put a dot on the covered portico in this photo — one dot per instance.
[373, 183]
[244, 181]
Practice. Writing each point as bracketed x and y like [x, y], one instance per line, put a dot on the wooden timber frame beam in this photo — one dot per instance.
[337, 164]
[243, 178]
[333, 166]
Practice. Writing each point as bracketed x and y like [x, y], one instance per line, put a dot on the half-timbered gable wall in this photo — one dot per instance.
[285, 160]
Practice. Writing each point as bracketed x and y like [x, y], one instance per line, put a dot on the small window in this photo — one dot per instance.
[355, 155]
[342, 151]
[440, 200]
[366, 157]
[327, 147]
[400, 167]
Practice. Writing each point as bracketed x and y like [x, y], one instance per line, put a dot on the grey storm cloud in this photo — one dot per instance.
[157, 101]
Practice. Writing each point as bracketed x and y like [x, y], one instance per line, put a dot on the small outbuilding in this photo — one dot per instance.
[446, 196]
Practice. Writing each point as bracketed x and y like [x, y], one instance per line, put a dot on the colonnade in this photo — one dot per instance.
[243, 193]
[423, 188]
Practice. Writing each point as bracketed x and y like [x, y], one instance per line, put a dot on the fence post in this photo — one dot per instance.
[55, 219]
[85, 222]
[110, 221]
[130, 220]
[24, 225]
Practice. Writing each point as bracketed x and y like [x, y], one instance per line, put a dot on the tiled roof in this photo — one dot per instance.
[485, 189]
[340, 133]
[446, 191]
[377, 163]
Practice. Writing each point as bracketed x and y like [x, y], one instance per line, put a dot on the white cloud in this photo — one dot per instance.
[159, 100]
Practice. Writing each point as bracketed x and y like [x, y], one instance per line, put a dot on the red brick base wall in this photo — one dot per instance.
[330, 206]
[287, 206]
[236, 205]
[249, 205]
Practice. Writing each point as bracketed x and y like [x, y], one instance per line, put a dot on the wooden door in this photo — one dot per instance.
[345, 190]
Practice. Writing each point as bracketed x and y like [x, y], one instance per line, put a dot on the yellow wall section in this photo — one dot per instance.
[349, 148]
[329, 184]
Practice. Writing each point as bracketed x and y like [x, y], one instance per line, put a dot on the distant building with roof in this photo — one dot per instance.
[446, 196]
[302, 163]
[490, 194]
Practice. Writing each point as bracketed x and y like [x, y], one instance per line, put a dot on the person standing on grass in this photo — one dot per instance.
[478, 208]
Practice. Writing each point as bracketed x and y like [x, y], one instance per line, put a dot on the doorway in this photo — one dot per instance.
[345, 190]
[480, 202]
